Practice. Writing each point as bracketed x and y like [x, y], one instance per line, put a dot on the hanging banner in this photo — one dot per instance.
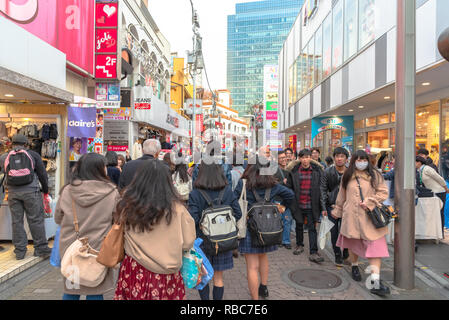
[81, 122]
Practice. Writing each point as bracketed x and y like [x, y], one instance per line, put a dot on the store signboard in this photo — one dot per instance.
[343, 125]
[142, 98]
[272, 106]
[116, 130]
[117, 114]
[67, 25]
[106, 14]
[107, 95]
[106, 40]
[272, 115]
[106, 66]
[81, 122]
[271, 100]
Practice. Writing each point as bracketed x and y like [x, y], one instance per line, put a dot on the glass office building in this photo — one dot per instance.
[256, 34]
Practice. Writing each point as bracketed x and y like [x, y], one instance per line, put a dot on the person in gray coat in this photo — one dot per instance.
[94, 198]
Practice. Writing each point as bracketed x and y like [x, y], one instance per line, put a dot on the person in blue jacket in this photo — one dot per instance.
[211, 179]
[256, 258]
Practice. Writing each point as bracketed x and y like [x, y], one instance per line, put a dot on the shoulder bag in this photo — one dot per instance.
[381, 215]
[112, 250]
[79, 263]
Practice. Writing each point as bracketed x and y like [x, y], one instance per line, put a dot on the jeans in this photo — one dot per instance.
[313, 234]
[30, 203]
[77, 297]
[335, 231]
[287, 223]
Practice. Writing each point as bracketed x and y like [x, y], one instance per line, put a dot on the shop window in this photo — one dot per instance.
[318, 55]
[427, 126]
[327, 46]
[383, 119]
[370, 122]
[290, 85]
[393, 139]
[360, 141]
[367, 22]
[359, 124]
[299, 83]
[310, 54]
[379, 141]
[350, 29]
[393, 117]
[444, 150]
[337, 38]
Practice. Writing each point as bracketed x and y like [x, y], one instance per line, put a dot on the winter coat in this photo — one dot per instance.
[114, 174]
[431, 179]
[293, 183]
[356, 223]
[330, 185]
[95, 202]
[130, 169]
[197, 204]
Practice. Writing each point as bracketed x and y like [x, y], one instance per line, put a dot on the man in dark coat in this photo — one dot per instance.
[304, 179]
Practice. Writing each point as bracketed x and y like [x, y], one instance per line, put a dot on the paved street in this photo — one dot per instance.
[43, 282]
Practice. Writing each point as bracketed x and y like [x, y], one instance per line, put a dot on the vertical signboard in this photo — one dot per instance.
[106, 40]
[271, 100]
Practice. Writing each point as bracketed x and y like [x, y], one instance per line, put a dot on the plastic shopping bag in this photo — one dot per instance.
[207, 270]
[55, 258]
[191, 269]
[325, 228]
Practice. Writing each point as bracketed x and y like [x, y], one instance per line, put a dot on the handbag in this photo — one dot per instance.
[79, 262]
[55, 258]
[112, 250]
[207, 271]
[191, 269]
[242, 223]
[381, 215]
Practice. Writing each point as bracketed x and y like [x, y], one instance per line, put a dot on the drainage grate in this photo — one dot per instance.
[315, 279]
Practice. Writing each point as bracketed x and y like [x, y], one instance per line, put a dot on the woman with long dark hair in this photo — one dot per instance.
[212, 181]
[256, 258]
[94, 197]
[158, 229]
[113, 171]
[182, 180]
[358, 233]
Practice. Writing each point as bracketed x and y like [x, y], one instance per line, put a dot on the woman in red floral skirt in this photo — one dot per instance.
[158, 230]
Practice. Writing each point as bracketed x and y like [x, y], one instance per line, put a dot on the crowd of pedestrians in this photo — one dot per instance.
[161, 205]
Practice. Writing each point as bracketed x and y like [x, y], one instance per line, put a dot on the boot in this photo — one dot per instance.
[263, 291]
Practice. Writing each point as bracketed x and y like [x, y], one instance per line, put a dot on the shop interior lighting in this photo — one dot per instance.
[361, 107]
[387, 98]
[426, 84]
[350, 110]
[9, 95]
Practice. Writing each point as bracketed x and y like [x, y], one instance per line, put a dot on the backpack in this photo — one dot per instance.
[265, 222]
[182, 187]
[19, 168]
[218, 226]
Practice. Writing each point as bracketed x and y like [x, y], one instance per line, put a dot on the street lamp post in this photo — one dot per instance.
[404, 229]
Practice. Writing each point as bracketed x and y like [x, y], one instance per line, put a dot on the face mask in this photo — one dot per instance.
[361, 165]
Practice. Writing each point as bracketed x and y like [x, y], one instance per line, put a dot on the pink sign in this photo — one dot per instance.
[118, 148]
[106, 40]
[106, 66]
[106, 15]
[272, 115]
[67, 25]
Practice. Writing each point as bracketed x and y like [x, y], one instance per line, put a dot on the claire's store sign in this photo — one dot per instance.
[81, 122]
[106, 40]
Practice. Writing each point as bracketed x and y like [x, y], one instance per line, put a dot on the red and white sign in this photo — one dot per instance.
[106, 66]
[106, 41]
[106, 14]
[142, 106]
[272, 115]
[118, 148]
[199, 123]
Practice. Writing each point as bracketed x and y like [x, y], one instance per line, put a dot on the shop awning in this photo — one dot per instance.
[17, 88]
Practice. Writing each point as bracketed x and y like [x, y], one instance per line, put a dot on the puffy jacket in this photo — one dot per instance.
[329, 186]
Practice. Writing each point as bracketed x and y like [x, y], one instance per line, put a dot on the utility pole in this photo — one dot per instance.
[404, 228]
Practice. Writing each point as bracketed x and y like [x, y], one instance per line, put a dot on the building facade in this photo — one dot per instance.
[338, 71]
[255, 36]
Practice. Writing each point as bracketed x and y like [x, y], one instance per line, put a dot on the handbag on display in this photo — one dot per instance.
[381, 215]
[112, 250]
[79, 262]
[242, 223]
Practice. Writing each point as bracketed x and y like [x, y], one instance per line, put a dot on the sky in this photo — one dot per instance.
[174, 19]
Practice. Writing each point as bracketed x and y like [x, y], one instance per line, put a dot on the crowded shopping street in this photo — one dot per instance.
[241, 150]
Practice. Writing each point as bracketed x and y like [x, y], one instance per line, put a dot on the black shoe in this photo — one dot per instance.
[287, 246]
[356, 274]
[345, 254]
[21, 255]
[338, 260]
[298, 250]
[316, 258]
[44, 253]
[263, 291]
[382, 291]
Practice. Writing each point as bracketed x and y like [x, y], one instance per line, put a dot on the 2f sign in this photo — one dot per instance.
[106, 66]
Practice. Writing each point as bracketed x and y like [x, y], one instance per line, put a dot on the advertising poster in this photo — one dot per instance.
[78, 147]
[81, 122]
[271, 100]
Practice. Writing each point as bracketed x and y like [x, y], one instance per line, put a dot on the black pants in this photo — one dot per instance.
[442, 196]
[335, 231]
[313, 235]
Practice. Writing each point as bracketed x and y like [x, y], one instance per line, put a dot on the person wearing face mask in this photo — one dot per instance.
[357, 233]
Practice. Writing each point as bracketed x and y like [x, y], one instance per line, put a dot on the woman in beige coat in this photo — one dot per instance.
[94, 198]
[358, 233]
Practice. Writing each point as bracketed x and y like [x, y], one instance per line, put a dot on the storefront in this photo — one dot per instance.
[331, 132]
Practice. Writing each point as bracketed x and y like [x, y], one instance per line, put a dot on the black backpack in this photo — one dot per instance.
[265, 222]
[218, 226]
[19, 168]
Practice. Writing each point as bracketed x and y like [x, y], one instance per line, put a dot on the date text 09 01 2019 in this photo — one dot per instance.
[233, 309]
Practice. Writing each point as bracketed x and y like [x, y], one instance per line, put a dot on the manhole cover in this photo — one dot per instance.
[315, 279]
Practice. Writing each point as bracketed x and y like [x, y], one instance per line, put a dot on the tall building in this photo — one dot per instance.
[256, 34]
